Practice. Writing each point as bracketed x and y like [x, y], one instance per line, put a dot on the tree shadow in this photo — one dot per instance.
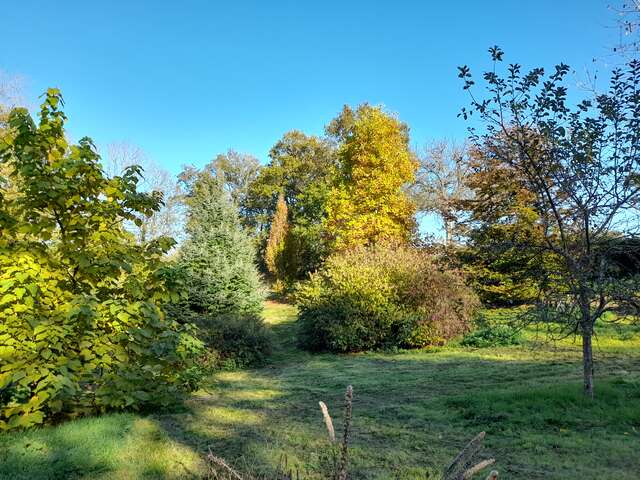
[413, 411]
[113, 446]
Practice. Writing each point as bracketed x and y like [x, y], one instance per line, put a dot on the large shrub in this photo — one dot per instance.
[82, 327]
[382, 296]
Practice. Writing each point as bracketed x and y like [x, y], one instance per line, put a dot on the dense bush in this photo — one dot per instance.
[382, 296]
[496, 328]
[234, 340]
[81, 304]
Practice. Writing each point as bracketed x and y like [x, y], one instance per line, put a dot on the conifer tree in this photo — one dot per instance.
[218, 255]
[273, 255]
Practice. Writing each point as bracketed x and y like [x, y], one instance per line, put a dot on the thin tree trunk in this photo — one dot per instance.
[587, 361]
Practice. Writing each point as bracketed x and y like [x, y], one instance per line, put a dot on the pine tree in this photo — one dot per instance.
[218, 255]
[273, 255]
[368, 203]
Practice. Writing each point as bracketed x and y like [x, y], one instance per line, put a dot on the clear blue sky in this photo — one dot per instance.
[187, 79]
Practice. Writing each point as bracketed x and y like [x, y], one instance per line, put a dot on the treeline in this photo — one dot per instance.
[318, 195]
[101, 309]
[539, 207]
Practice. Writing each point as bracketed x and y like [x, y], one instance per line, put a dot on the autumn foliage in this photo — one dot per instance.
[387, 295]
[83, 328]
[368, 204]
[273, 255]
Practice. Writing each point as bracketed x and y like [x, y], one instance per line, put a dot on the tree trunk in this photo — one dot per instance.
[587, 360]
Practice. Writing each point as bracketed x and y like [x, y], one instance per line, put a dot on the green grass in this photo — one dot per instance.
[412, 412]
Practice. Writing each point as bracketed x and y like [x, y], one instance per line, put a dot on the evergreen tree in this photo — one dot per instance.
[218, 255]
[368, 203]
[273, 255]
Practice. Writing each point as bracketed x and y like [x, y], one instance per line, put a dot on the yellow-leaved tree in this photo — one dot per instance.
[277, 238]
[368, 203]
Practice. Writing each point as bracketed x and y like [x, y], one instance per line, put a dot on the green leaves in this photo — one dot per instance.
[382, 296]
[82, 327]
[217, 261]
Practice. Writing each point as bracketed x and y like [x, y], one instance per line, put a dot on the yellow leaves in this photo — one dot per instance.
[277, 236]
[72, 200]
[369, 204]
[7, 298]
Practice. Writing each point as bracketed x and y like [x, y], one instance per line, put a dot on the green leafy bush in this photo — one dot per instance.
[82, 325]
[234, 340]
[382, 296]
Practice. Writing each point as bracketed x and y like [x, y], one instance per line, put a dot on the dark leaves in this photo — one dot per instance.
[496, 53]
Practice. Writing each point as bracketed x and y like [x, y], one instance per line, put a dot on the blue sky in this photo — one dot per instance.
[186, 80]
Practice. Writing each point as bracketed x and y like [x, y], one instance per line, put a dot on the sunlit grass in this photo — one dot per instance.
[111, 447]
[413, 410]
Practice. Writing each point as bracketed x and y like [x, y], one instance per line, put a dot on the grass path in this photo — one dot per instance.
[412, 412]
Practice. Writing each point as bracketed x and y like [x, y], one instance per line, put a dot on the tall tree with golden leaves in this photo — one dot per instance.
[277, 238]
[368, 203]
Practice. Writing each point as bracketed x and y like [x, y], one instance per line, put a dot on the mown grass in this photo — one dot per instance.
[412, 412]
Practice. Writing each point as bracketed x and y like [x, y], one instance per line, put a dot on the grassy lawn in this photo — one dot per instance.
[412, 412]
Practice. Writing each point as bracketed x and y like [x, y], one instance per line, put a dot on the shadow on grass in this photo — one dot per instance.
[116, 446]
[412, 412]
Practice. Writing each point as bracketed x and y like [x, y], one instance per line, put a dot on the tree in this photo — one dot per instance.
[166, 221]
[497, 217]
[629, 25]
[11, 96]
[218, 254]
[440, 182]
[237, 171]
[82, 306]
[273, 253]
[368, 202]
[302, 168]
[581, 165]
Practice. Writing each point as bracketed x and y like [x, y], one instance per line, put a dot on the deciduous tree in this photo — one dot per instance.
[302, 168]
[628, 16]
[237, 171]
[496, 218]
[167, 220]
[580, 162]
[83, 328]
[368, 202]
[440, 183]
